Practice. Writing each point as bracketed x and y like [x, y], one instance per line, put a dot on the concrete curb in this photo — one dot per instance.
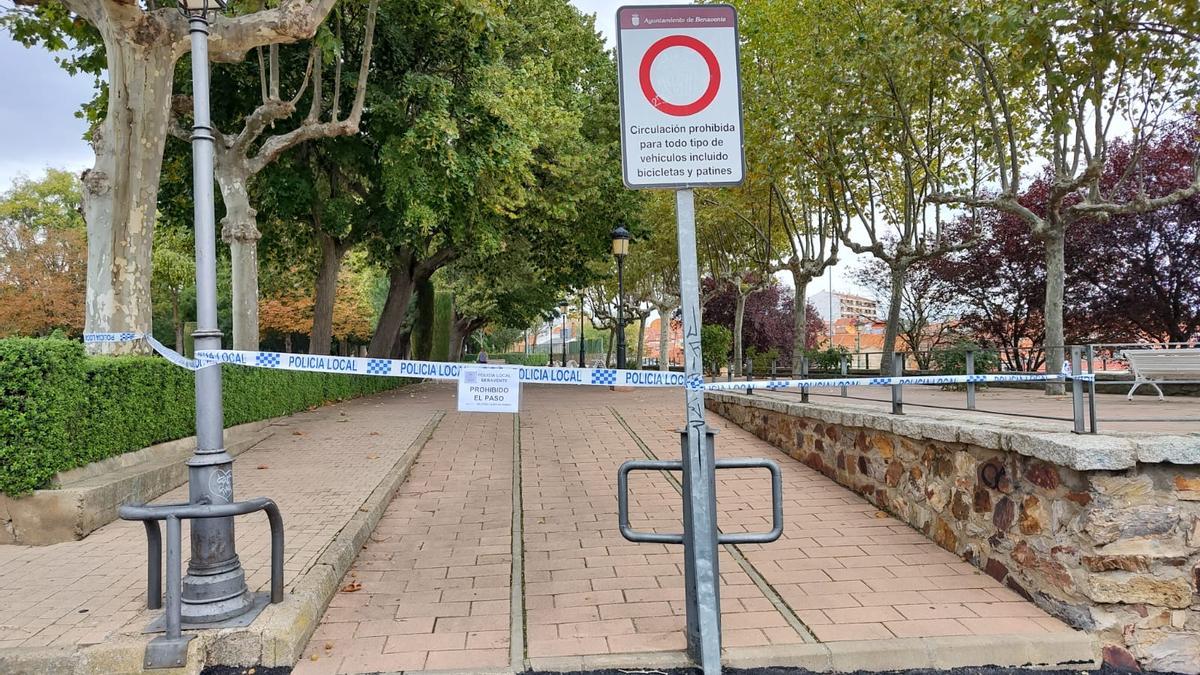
[1048, 650]
[276, 638]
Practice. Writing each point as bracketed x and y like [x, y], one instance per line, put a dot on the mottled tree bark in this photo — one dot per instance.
[239, 229]
[1054, 241]
[893, 322]
[121, 190]
[739, 317]
[800, 321]
[332, 252]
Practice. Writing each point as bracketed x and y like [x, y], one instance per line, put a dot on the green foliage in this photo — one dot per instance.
[519, 359]
[715, 342]
[60, 409]
[762, 360]
[443, 315]
[826, 359]
[40, 399]
[48, 203]
[953, 361]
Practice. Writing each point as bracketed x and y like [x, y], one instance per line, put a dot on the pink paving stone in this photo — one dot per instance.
[851, 631]
[927, 628]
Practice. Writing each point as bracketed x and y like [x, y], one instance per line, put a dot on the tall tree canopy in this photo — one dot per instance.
[135, 46]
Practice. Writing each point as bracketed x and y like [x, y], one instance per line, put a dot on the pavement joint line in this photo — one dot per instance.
[751, 571]
[516, 638]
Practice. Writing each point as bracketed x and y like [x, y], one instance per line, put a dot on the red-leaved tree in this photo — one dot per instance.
[768, 321]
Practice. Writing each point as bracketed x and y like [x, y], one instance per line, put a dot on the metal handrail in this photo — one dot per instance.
[633, 535]
[170, 649]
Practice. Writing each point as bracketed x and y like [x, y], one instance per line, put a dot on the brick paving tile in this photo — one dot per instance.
[848, 570]
[313, 466]
[444, 550]
[620, 596]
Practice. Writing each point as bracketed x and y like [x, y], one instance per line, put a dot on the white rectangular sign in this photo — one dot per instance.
[484, 389]
[681, 99]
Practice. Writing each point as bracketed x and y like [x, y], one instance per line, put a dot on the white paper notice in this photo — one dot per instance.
[489, 389]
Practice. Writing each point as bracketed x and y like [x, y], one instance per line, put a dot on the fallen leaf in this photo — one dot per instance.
[297, 433]
[363, 509]
[352, 587]
[328, 645]
[372, 456]
[314, 657]
[373, 433]
[263, 466]
[881, 514]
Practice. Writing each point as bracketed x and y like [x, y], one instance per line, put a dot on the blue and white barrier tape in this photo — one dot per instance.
[436, 370]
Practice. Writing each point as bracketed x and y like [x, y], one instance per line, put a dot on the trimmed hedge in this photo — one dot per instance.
[60, 409]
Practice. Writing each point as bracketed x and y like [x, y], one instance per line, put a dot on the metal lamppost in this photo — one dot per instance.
[620, 249]
[214, 589]
[562, 308]
[582, 352]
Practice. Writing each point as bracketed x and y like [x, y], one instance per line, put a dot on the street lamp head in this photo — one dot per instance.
[201, 8]
[620, 241]
[564, 304]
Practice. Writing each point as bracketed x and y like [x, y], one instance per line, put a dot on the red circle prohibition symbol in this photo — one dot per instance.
[714, 75]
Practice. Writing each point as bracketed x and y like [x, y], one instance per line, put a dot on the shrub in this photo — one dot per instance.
[829, 360]
[60, 409]
[762, 361]
[40, 398]
[521, 359]
[714, 346]
[953, 361]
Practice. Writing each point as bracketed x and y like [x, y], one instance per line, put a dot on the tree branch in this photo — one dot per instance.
[1140, 204]
[292, 21]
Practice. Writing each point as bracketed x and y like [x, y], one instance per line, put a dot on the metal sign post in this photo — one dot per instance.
[700, 561]
[681, 128]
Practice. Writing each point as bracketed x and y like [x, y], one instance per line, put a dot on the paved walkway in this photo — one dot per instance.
[1176, 415]
[433, 589]
[319, 467]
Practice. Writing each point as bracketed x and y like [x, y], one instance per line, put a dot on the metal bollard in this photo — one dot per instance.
[1091, 389]
[1076, 392]
[970, 385]
[804, 376]
[729, 372]
[845, 372]
[748, 369]
[774, 366]
[897, 389]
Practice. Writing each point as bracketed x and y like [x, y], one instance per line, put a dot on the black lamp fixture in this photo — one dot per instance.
[620, 249]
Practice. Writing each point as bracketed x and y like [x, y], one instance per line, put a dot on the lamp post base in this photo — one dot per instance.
[213, 598]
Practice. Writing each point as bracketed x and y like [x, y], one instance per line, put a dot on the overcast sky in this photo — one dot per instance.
[38, 103]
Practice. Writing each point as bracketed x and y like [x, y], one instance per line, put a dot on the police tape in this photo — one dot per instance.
[436, 370]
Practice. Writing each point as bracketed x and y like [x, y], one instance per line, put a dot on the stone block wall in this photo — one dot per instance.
[1116, 552]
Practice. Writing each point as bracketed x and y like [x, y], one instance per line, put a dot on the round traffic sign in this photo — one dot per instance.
[714, 75]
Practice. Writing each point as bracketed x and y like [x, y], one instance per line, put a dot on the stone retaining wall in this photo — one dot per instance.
[1114, 550]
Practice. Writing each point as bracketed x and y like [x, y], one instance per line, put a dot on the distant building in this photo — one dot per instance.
[674, 342]
[844, 306]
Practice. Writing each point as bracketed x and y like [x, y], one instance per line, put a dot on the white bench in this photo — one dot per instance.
[1151, 366]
